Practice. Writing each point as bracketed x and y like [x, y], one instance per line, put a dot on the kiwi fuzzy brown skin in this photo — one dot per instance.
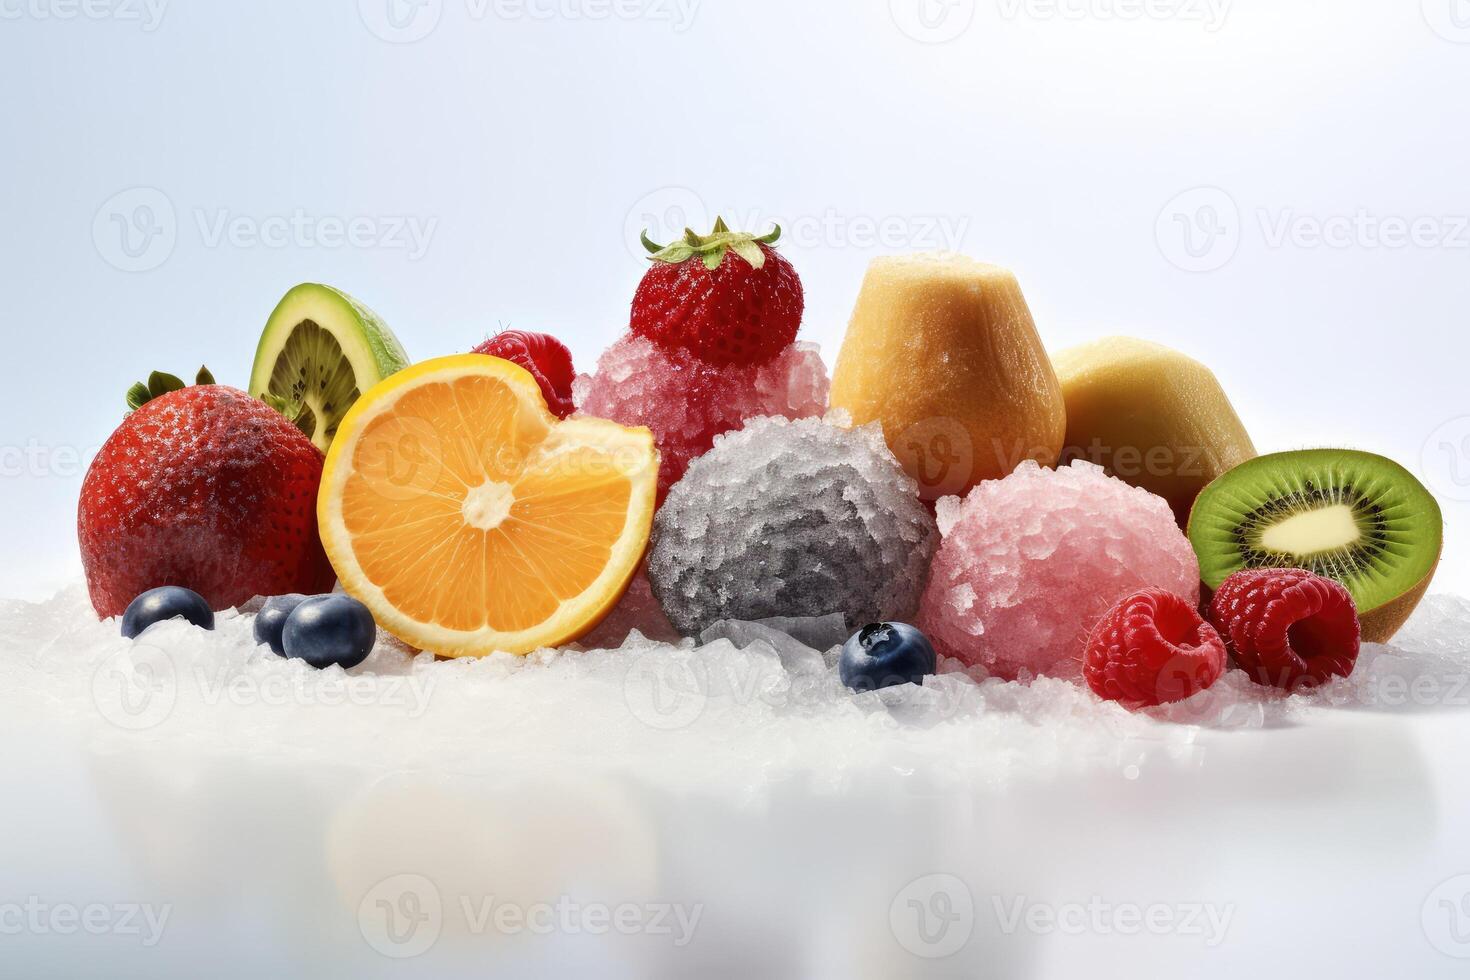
[1379, 625]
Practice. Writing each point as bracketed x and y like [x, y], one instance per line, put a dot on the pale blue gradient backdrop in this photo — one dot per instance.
[528, 141]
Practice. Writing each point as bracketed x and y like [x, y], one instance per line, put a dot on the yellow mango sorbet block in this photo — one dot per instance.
[942, 350]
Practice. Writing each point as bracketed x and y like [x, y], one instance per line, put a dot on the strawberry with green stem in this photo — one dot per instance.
[726, 297]
[204, 487]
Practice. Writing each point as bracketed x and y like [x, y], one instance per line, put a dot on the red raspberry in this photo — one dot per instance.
[548, 360]
[1287, 627]
[726, 297]
[1152, 648]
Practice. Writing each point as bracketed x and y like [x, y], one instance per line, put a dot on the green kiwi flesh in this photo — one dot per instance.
[1347, 515]
[320, 349]
[312, 373]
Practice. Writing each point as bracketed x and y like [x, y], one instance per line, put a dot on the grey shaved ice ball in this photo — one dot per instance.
[784, 518]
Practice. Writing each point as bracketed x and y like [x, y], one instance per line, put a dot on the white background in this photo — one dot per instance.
[528, 140]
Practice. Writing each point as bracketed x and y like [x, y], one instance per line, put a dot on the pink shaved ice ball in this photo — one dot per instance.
[686, 401]
[1030, 563]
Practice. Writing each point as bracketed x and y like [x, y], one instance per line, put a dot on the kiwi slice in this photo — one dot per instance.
[1351, 516]
[320, 350]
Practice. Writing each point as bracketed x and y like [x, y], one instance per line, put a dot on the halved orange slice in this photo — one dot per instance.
[470, 520]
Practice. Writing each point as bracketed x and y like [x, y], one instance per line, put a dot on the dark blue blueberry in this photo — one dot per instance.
[167, 602]
[885, 654]
[272, 619]
[329, 629]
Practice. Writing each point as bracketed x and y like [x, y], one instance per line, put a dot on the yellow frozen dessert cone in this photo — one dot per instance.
[944, 353]
[1151, 416]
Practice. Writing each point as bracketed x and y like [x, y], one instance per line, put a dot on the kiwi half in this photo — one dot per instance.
[1351, 516]
[320, 350]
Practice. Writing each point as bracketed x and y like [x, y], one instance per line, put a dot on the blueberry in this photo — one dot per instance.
[272, 619]
[167, 602]
[885, 654]
[329, 629]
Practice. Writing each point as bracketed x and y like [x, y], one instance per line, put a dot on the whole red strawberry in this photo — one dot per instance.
[726, 297]
[203, 487]
[548, 360]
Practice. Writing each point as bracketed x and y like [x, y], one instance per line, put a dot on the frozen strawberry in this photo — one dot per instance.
[1152, 648]
[726, 297]
[548, 360]
[205, 488]
[1287, 627]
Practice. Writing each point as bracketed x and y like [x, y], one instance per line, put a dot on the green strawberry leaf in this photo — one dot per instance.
[711, 248]
[675, 254]
[748, 250]
[160, 383]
